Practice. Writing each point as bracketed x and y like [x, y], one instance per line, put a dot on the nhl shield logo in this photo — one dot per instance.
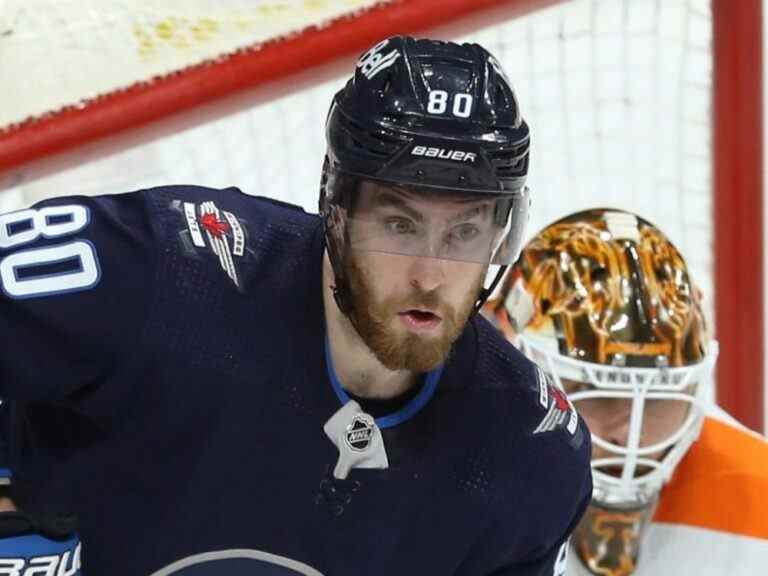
[359, 432]
[357, 438]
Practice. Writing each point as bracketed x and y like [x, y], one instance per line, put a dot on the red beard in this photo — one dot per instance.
[405, 351]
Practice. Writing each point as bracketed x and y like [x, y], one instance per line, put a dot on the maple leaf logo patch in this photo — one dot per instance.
[560, 411]
[219, 231]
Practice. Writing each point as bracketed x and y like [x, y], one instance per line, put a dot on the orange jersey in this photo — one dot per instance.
[712, 518]
[721, 484]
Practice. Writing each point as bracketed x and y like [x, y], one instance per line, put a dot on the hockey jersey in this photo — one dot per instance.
[712, 517]
[166, 348]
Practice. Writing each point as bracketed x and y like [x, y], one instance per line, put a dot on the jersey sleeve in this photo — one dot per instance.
[550, 556]
[76, 276]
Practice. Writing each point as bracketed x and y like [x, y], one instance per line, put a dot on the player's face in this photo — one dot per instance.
[609, 419]
[410, 308]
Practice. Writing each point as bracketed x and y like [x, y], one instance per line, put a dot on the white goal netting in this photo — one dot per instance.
[56, 54]
[617, 93]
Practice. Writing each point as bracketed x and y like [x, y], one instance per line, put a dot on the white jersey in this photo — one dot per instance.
[712, 518]
[680, 550]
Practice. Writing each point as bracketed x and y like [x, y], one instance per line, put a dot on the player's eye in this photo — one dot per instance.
[399, 225]
[464, 232]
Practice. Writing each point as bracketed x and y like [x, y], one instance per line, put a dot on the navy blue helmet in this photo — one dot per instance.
[431, 118]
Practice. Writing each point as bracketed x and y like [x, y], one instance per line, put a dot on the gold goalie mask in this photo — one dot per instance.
[603, 302]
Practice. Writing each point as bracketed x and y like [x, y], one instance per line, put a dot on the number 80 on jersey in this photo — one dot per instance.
[47, 270]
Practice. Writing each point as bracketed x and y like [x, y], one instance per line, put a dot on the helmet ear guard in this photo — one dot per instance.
[335, 238]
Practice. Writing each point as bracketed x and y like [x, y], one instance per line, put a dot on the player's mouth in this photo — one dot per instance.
[420, 320]
[614, 471]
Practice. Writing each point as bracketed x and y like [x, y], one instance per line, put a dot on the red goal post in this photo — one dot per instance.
[734, 147]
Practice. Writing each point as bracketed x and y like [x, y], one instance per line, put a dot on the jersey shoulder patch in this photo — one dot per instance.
[557, 411]
[237, 233]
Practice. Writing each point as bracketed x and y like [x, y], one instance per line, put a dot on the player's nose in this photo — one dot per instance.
[612, 422]
[426, 273]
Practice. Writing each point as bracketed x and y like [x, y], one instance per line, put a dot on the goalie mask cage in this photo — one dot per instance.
[648, 105]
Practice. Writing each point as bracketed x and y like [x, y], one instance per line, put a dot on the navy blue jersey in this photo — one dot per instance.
[167, 348]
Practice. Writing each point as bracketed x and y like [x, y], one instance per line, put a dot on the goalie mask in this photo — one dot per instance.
[603, 302]
[428, 123]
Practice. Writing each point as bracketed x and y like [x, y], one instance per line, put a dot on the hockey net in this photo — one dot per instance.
[619, 94]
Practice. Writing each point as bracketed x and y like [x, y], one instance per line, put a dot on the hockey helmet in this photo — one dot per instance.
[430, 120]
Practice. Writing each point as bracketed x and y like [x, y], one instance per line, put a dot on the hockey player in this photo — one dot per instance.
[221, 384]
[604, 303]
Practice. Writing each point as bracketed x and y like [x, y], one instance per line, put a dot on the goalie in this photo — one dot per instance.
[603, 302]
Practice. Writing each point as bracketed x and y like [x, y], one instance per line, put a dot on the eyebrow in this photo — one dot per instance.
[387, 199]
[467, 214]
[392, 199]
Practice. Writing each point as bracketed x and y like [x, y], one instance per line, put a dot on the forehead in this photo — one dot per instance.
[378, 194]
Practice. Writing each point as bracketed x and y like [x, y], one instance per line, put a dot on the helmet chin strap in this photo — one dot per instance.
[485, 293]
